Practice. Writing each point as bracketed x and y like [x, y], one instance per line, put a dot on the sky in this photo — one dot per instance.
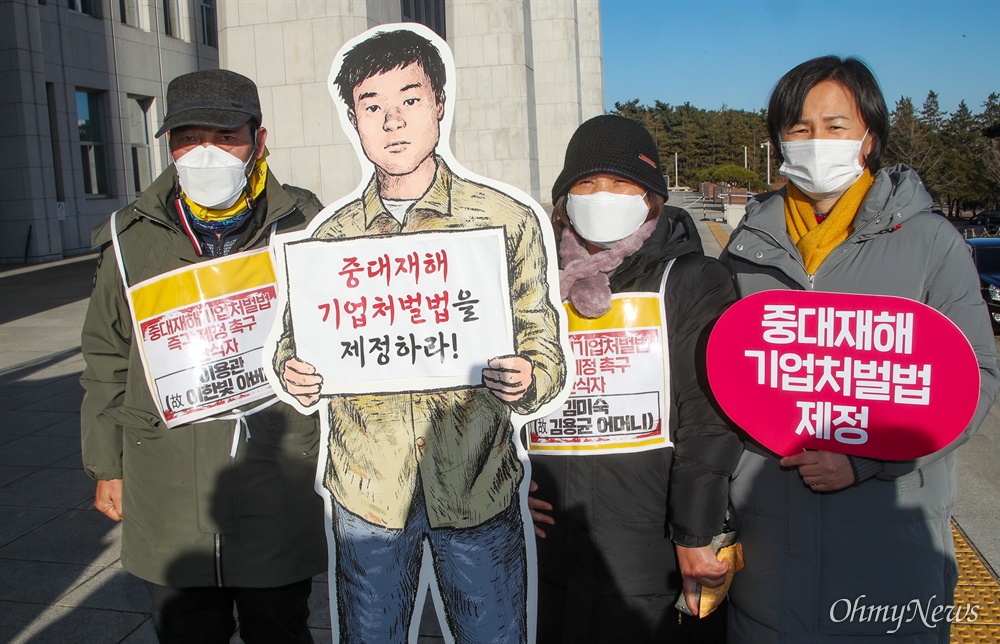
[715, 52]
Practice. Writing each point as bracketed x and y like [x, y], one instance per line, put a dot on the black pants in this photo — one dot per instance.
[205, 615]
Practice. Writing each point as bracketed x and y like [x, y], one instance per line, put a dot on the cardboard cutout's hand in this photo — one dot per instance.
[508, 377]
[301, 380]
[108, 499]
[539, 510]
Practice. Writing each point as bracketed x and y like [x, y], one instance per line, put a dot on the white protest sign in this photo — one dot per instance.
[618, 401]
[409, 312]
[201, 331]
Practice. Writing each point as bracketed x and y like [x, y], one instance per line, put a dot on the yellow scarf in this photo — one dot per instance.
[257, 180]
[817, 240]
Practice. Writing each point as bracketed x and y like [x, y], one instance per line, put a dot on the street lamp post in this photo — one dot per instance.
[768, 145]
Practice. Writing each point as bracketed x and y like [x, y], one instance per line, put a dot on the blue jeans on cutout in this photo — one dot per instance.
[480, 571]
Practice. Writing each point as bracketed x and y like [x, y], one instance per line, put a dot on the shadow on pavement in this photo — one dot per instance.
[61, 284]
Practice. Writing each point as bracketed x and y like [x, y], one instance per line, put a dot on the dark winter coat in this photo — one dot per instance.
[607, 569]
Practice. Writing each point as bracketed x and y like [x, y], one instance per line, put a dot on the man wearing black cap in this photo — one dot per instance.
[210, 519]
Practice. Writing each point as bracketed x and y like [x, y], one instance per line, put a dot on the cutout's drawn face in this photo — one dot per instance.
[397, 117]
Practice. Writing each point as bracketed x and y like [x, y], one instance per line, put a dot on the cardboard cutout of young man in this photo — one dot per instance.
[422, 316]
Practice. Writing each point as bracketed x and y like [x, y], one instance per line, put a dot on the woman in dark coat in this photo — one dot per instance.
[626, 527]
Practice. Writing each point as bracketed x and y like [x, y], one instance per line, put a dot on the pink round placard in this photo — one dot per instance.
[876, 376]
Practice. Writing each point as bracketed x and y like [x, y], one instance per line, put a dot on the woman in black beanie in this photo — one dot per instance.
[612, 496]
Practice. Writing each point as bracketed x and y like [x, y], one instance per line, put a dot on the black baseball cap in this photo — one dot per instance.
[216, 98]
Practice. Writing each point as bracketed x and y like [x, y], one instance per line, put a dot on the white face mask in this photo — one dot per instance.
[822, 168]
[603, 218]
[211, 177]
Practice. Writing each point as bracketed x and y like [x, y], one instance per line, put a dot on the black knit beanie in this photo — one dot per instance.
[612, 144]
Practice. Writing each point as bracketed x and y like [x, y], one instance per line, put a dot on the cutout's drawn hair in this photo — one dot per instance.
[384, 52]
[789, 95]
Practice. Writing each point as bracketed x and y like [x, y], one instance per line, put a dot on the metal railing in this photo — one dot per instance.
[984, 233]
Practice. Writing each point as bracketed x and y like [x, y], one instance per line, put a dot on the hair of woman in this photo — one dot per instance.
[789, 94]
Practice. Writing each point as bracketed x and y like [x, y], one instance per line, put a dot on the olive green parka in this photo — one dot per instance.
[194, 515]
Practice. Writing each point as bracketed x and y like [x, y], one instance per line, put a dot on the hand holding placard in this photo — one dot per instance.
[822, 471]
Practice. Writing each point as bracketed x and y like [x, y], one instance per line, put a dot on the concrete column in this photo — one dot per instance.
[565, 63]
[495, 131]
[591, 59]
[287, 48]
[27, 186]
[520, 94]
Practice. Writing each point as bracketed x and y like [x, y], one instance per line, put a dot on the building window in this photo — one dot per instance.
[172, 18]
[130, 12]
[92, 150]
[427, 12]
[138, 131]
[55, 140]
[88, 7]
[209, 26]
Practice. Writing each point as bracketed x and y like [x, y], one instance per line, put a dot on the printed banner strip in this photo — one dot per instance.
[628, 312]
[202, 283]
[598, 447]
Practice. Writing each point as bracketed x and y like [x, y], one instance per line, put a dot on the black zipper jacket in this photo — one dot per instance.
[619, 515]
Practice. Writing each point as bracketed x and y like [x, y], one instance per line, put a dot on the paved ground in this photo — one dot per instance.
[60, 577]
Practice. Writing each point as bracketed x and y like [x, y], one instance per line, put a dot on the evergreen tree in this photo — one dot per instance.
[916, 142]
[702, 138]
[959, 165]
[961, 168]
[931, 114]
[989, 121]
